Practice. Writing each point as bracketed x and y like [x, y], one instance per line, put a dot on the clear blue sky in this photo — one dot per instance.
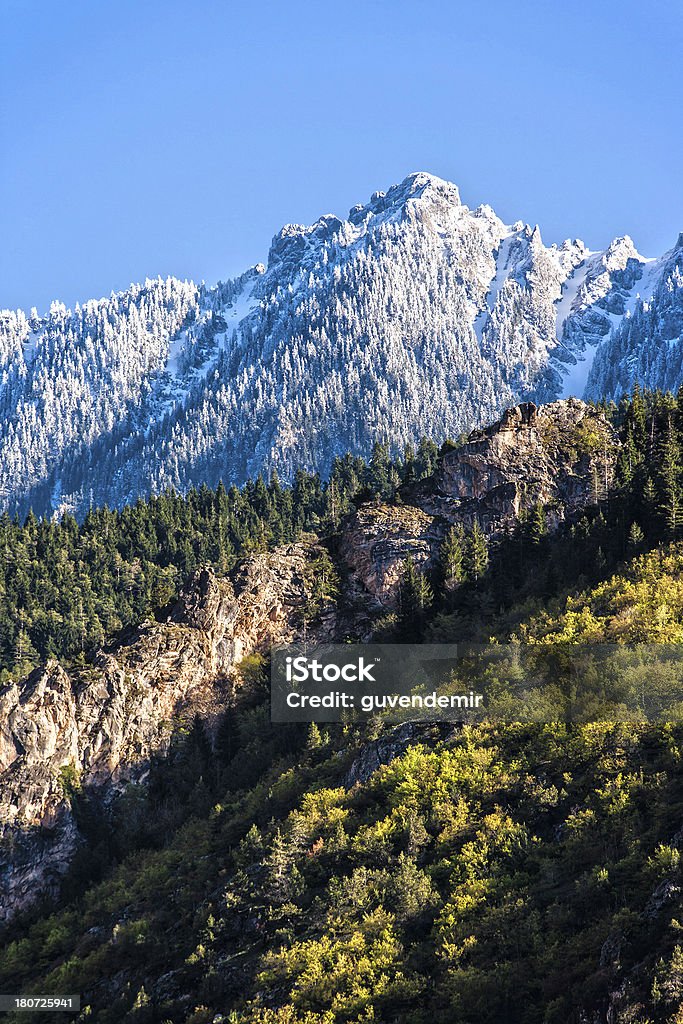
[145, 137]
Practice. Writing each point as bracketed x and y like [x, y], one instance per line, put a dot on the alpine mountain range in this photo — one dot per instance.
[415, 316]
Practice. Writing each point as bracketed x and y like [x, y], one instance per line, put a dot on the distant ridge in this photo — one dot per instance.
[413, 316]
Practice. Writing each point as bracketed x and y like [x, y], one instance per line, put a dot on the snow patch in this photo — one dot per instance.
[576, 376]
[644, 288]
[242, 306]
[496, 283]
[570, 291]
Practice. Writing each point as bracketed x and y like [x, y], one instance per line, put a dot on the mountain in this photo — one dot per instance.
[171, 855]
[414, 316]
[646, 346]
[98, 728]
[103, 723]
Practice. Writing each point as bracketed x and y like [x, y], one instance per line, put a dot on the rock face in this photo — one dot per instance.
[562, 455]
[378, 538]
[100, 724]
[384, 750]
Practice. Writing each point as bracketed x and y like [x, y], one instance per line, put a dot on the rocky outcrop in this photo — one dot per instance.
[386, 749]
[378, 538]
[99, 725]
[562, 455]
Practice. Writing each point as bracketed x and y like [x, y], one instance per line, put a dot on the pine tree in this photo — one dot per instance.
[284, 881]
[197, 752]
[679, 414]
[452, 556]
[635, 538]
[538, 527]
[408, 464]
[314, 738]
[650, 503]
[227, 738]
[426, 459]
[379, 470]
[628, 460]
[477, 555]
[599, 564]
[638, 416]
[669, 473]
[415, 600]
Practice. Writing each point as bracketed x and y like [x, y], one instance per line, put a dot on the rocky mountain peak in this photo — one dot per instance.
[417, 187]
[619, 252]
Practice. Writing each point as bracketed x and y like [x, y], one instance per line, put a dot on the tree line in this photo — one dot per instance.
[68, 587]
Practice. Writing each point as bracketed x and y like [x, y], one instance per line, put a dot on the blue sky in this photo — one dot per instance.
[142, 137]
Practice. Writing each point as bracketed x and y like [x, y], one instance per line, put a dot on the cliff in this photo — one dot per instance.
[562, 455]
[100, 724]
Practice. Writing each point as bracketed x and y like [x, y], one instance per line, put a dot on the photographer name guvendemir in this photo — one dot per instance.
[369, 702]
[302, 670]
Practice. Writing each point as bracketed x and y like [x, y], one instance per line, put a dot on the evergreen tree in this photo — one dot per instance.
[426, 459]
[227, 738]
[476, 554]
[415, 600]
[650, 504]
[379, 470]
[452, 556]
[669, 473]
[538, 527]
[409, 470]
[637, 416]
[635, 538]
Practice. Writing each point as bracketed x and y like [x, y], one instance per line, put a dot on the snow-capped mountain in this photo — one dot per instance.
[646, 344]
[414, 316]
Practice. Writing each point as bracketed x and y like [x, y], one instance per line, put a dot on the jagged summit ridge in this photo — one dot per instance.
[415, 315]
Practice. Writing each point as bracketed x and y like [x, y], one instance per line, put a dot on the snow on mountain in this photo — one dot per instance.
[647, 343]
[415, 315]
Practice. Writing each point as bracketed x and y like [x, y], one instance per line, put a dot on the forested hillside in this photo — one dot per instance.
[76, 584]
[66, 588]
[343, 875]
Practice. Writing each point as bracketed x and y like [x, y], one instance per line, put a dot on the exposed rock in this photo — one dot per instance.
[378, 538]
[383, 751]
[99, 725]
[666, 892]
[562, 455]
[610, 951]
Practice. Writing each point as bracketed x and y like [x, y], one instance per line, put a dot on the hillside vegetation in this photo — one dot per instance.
[518, 874]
